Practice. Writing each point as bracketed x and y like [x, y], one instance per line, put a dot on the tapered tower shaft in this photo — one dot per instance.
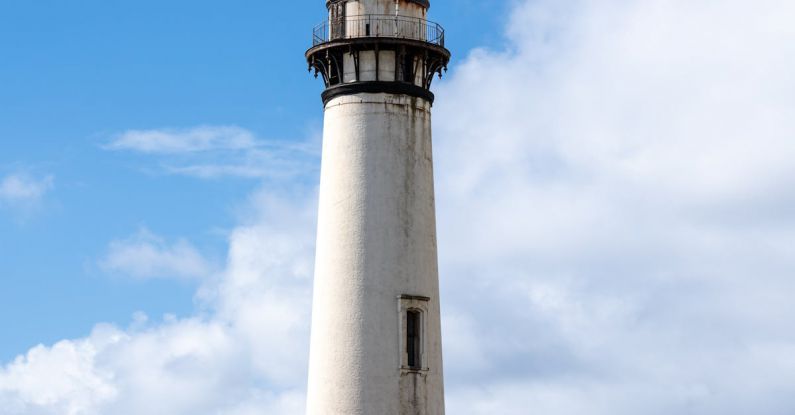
[376, 346]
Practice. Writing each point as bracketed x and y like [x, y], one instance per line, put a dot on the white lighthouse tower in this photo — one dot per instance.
[376, 345]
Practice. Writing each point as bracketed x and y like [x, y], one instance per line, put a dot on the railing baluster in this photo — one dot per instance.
[377, 26]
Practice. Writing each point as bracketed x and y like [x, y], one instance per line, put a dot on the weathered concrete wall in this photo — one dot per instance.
[376, 242]
[405, 8]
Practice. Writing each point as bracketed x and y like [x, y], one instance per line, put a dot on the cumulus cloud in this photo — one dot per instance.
[146, 255]
[210, 152]
[24, 189]
[244, 354]
[614, 196]
[615, 237]
[62, 377]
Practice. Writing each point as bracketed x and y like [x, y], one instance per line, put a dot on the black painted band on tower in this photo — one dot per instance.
[375, 87]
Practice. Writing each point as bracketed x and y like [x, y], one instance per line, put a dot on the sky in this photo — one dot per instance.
[79, 78]
[616, 221]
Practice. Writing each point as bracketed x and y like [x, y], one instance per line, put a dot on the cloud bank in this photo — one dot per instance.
[614, 195]
[242, 354]
[616, 237]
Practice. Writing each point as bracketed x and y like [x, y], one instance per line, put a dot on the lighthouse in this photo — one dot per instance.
[376, 343]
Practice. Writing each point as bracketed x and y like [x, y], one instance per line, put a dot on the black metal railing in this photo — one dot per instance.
[373, 25]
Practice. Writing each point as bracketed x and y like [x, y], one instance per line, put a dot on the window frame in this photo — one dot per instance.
[418, 306]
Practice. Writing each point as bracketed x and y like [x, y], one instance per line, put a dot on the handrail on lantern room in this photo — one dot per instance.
[378, 25]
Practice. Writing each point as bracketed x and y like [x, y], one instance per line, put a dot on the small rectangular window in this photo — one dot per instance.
[413, 341]
[412, 338]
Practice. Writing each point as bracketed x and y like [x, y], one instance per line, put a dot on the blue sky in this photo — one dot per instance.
[614, 200]
[77, 74]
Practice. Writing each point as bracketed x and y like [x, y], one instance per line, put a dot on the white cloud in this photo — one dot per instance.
[616, 189]
[146, 255]
[274, 161]
[63, 378]
[245, 356]
[176, 141]
[23, 189]
[210, 152]
[615, 237]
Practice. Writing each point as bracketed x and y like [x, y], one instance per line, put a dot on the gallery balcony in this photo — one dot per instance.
[378, 26]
